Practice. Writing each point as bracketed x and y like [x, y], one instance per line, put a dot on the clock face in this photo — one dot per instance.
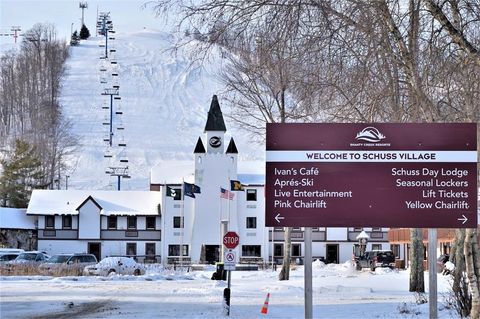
[215, 141]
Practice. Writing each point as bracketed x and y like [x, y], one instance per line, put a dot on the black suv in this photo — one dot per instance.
[376, 258]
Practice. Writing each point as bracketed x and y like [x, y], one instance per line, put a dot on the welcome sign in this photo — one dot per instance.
[377, 175]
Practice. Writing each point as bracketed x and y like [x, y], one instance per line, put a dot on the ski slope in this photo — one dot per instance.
[164, 100]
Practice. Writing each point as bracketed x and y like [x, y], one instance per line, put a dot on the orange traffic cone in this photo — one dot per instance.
[265, 305]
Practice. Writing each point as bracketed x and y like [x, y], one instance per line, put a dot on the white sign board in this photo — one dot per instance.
[229, 259]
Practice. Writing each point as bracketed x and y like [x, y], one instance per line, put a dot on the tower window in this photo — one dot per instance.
[251, 222]
[252, 195]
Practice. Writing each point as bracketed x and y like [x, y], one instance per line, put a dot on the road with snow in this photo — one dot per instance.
[339, 291]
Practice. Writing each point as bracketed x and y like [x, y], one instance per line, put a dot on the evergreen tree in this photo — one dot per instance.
[21, 173]
[75, 40]
[84, 33]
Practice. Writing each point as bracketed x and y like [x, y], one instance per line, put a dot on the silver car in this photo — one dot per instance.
[115, 265]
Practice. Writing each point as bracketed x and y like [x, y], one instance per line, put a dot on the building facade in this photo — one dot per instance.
[154, 227]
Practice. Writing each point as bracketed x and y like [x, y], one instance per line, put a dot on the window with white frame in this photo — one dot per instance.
[131, 249]
[150, 222]
[251, 222]
[49, 221]
[251, 251]
[132, 222]
[177, 222]
[112, 222]
[296, 250]
[67, 221]
[251, 195]
[174, 250]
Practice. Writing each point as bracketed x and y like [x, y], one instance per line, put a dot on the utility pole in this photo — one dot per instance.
[83, 6]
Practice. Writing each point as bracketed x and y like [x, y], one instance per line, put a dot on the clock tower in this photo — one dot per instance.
[215, 128]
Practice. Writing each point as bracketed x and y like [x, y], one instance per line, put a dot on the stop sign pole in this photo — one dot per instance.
[230, 241]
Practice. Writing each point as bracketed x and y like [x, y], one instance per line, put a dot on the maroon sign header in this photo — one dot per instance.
[371, 175]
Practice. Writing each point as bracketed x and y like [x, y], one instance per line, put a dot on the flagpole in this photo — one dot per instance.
[228, 198]
[163, 233]
[221, 235]
[182, 223]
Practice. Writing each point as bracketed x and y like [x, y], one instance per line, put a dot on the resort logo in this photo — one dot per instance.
[371, 136]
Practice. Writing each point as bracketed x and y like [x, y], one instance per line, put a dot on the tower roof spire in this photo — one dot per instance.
[232, 148]
[199, 148]
[215, 118]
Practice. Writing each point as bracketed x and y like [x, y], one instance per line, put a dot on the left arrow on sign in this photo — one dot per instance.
[278, 217]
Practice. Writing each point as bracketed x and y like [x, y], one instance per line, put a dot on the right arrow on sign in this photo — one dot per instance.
[278, 217]
[464, 219]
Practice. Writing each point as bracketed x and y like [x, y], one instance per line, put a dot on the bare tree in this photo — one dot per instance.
[29, 108]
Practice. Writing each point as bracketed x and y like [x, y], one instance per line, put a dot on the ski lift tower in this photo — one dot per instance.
[14, 32]
[104, 24]
[83, 6]
[111, 92]
[119, 172]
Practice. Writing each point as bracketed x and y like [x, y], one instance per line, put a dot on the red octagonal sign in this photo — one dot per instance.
[231, 239]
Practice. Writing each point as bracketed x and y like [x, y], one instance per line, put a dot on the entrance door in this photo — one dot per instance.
[94, 248]
[212, 254]
[332, 253]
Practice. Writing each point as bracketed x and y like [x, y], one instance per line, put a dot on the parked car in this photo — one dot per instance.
[5, 257]
[26, 261]
[30, 257]
[68, 262]
[376, 258]
[115, 265]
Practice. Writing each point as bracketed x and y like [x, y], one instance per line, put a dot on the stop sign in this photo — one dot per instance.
[231, 239]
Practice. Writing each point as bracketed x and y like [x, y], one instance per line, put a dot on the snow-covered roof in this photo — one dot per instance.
[66, 202]
[14, 218]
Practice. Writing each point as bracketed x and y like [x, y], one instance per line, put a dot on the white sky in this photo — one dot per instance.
[62, 13]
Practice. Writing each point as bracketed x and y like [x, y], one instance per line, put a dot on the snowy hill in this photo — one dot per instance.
[164, 105]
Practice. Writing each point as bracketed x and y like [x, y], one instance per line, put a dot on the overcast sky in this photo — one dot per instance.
[127, 15]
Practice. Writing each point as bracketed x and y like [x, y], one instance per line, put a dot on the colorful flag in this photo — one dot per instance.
[171, 192]
[225, 193]
[236, 186]
[190, 190]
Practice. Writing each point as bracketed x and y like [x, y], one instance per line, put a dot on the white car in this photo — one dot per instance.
[115, 265]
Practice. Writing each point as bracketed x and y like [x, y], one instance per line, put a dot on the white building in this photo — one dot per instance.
[155, 227]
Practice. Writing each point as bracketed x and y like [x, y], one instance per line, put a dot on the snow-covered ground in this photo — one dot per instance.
[339, 291]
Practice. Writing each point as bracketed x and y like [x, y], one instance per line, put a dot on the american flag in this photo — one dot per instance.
[224, 193]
